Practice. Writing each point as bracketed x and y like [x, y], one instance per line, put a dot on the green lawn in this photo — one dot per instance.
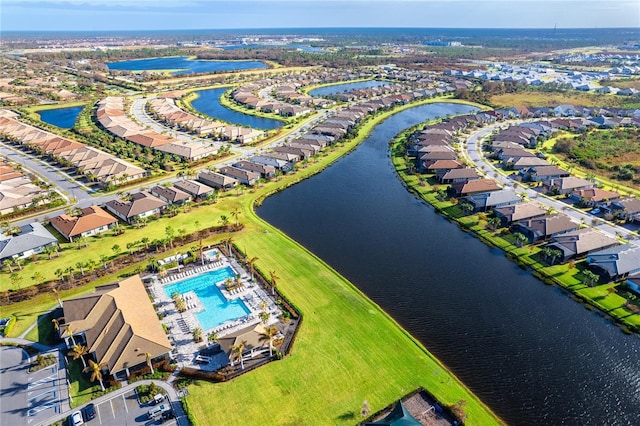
[347, 350]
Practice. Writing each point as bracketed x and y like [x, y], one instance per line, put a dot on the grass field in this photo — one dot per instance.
[347, 351]
[541, 99]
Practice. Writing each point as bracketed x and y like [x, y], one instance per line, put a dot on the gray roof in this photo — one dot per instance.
[32, 236]
[494, 198]
[619, 260]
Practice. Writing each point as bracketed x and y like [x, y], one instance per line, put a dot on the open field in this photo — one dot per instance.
[626, 83]
[541, 99]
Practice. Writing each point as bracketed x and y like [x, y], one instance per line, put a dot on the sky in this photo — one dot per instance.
[105, 15]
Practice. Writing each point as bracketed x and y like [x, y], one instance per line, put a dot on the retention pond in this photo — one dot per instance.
[529, 351]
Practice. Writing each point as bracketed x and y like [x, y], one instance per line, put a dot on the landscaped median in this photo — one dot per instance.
[348, 349]
[569, 275]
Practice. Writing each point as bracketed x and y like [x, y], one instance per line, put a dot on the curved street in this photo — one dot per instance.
[472, 151]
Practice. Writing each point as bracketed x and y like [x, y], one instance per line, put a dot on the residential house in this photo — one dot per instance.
[518, 212]
[278, 164]
[32, 239]
[528, 162]
[542, 228]
[171, 195]
[543, 173]
[476, 186]
[626, 208]
[464, 174]
[91, 221]
[444, 165]
[581, 242]
[488, 200]
[243, 176]
[217, 180]
[196, 189]
[566, 185]
[139, 206]
[616, 262]
[592, 197]
[266, 172]
[118, 325]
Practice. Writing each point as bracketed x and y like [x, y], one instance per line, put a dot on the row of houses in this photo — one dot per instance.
[96, 165]
[17, 191]
[111, 114]
[166, 110]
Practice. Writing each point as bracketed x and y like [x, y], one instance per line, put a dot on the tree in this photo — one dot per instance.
[493, 222]
[56, 323]
[81, 266]
[79, 351]
[273, 278]
[197, 334]
[236, 352]
[147, 356]
[224, 221]
[96, 372]
[37, 277]
[229, 244]
[116, 249]
[212, 337]
[466, 208]
[57, 295]
[590, 278]
[251, 263]
[103, 259]
[270, 332]
[236, 213]
[519, 239]
[7, 263]
[16, 280]
[170, 234]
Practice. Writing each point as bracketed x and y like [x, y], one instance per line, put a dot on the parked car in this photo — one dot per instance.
[157, 411]
[76, 418]
[89, 412]
[595, 211]
[158, 398]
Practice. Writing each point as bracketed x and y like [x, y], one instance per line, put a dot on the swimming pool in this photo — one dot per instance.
[217, 309]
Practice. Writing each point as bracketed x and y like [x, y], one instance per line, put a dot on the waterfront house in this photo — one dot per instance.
[267, 172]
[542, 228]
[616, 262]
[91, 221]
[33, 238]
[243, 176]
[171, 194]
[196, 189]
[633, 282]
[444, 166]
[520, 211]
[488, 200]
[464, 174]
[476, 186]
[217, 180]
[118, 325]
[278, 164]
[140, 205]
[581, 242]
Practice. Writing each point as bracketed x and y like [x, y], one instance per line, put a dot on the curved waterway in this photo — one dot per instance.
[208, 102]
[526, 349]
[334, 89]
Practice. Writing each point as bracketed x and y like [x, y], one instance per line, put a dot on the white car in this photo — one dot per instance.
[76, 418]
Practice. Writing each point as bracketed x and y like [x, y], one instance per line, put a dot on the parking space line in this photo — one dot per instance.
[124, 402]
[112, 411]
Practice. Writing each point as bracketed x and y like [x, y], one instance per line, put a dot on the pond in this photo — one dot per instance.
[208, 102]
[346, 87]
[183, 65]
[530, 352]
[64, 118]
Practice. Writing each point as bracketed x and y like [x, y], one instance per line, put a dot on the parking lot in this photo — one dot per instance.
[29, 397]
[125, 410]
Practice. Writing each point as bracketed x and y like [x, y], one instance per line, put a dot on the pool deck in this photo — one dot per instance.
[180, 325]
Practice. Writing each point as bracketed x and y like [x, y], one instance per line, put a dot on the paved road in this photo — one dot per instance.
[473, 152]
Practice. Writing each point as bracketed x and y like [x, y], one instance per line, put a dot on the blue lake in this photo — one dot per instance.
[346, 87]
[184, 65]
[209, 103]
[64, 118]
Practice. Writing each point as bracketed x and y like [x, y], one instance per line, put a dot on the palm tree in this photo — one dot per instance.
[229, 243]
[147, 356]
[96, 371]
[55, 292]
[81, 266]
[270, 332]
[103, 259]
[519, 239]
[236, 352]
[273, 278]
[79, 351]
[70, 331]
[236, 213]
[212, 337]
[116, 249]
[56, 323]
[590, 278]
[197, 334]
[170, 233]
[493, 222]
[224, 220]
[251, 263]
[7, 263]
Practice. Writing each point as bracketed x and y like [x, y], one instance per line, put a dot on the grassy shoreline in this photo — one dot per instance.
[348, 349]
[568, 276]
